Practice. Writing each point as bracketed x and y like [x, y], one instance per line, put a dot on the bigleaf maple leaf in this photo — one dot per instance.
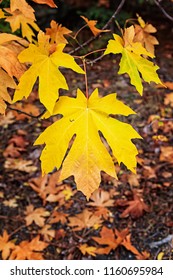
[86, 118]
[45, 66]
[5, 82]
[133, 61]
[142, 34]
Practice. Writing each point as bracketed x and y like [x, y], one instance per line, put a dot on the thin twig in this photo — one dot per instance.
[114, 14]
[27, 114]
[163, 10]
[161, 242]
[104, 27]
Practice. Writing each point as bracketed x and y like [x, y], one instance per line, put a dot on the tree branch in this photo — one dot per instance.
[104, 27]
[163, 10]
[27, 114]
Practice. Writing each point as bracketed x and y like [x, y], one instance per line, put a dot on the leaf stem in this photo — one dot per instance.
[86, 78]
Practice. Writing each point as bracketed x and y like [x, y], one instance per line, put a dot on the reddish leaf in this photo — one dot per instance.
[135, 207]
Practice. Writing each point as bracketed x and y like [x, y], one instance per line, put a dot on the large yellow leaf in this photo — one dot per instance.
[45, 66]
[5, 82]
[133, 61]
[88, 156]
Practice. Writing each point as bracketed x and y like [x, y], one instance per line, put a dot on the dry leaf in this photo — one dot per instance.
[9, 51]
[37, 215]
[135, 207]
[85, 249]
[5, 82]
[29, 250]
[58, 217]
[20, 164]
[57, 33]
[7, 119]
[10, 203]
[101, 198]
[47, 232]
[91, 24]
[166, 154]
[142, 34]
[169, 99]
[6, 246]
[50, 3]
[86, 219]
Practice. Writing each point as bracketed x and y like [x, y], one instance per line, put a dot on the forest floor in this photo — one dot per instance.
[125, 218]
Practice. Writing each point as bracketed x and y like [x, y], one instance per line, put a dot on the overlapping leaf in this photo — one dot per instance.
[47, 2]
[5, 82]
[88, 156]
[20, 14]
[45, 66]
[142, 34]
[57, 32]
[92, 25]
[133, 61]
[9, 50]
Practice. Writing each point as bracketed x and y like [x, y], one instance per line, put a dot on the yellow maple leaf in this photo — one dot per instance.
[91, 24]
[142, 34]
[132, 62]
[88, 156]
[17, 19]
[22, 6]
[45, 66]
[57, 33]
[5, 82]
[85, 249]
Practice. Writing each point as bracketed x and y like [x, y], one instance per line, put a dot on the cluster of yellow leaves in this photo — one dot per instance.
[134, 58]
[83, 119]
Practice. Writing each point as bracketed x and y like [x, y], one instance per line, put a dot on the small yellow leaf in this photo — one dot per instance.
[90, 250]
[160, 256]
[57, 33]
